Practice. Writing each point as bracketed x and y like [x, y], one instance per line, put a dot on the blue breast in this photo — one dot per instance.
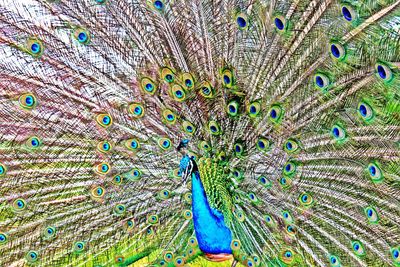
[212, 235]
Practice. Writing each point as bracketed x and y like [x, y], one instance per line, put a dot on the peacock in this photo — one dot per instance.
[259, 133]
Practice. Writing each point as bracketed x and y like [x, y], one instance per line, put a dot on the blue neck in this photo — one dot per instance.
[213, 236]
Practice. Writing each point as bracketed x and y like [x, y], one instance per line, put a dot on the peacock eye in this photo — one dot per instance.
[338, 133]
[32, 256]
[207, 90]
[291, 146]
[291, 230]
[187, 214]
[168, 74]
[395, 252]
[358, 248]
[117, 179]
[35, 47]
[179, 261]
[164, 143]
[250, 263]
[119, 209]
[135, 174]
[287, 217]
[239, 149]
[19, 204]
[152, 219]
[49, 232]
[168, 256]
[275, 113]
[306, 200]
[269, 220]
[235, 245]
[148, 85]
[241, 21]
[321, 81]
[79, 247]
[264, 182]
[158, 5]
[372, 215]
[348, 13]
[227, 78]
[375, 172]
[338, 52]
[280, 23]
[3, 169]
[286, 256]
[132, 144]
[239, 215]
[188, 81]
[82, 36]
[263, 144]
[254, 109]
[232, 108]
[33, 143]
[169, 116]
[253, 198]
[383, 72]
[365, 111]
[98, 192]
[164, 194]
[104, 146]
[103, 168]
[178, 93]
[214, 128]
[289, 169]
[192, 241]
[27, 101]
[137, 110]
[104, 120]
[3, 238]
[188, 127]
[334, 261]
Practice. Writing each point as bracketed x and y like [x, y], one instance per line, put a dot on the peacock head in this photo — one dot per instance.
[186, 167]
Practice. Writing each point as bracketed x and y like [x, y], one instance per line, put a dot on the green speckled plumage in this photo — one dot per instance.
[216, 186]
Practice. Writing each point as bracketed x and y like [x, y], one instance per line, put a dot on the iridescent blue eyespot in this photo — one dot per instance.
[3, 238]
[396, 254]
[338, 133]
[31, 256]
[188, 83]
[337, 51]
[383, 72]
[82, 37]
[241, 21]
[334, 261]
[159, 5]
[149, 87]
[29, 101]
[348, 13]
[79, 247]
[169, 77]
[35, 48]
[279, 23]
[19, 204]
[106, 120]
